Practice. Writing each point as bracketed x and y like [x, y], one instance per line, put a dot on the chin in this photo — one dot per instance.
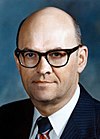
[44, 99]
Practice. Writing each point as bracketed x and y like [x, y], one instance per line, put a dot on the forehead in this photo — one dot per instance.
[46, 33]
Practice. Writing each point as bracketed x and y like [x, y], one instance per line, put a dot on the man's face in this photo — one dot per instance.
[45, 83]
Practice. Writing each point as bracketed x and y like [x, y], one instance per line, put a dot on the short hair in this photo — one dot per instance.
[18, 31]
[77, 30]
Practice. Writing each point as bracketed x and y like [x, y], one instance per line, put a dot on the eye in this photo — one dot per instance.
[57, 54]
[30, 55]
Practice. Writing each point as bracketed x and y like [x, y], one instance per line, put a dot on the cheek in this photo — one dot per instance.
[67, 75]
[25, 76]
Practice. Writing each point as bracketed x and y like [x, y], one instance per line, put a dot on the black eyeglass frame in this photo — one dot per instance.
[68, 51]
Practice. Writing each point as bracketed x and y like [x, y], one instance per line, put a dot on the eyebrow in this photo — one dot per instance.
[57, 48]
[27, 49]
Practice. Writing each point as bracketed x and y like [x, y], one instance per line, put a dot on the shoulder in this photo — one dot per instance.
[16, 105]
[89, 101]
[16, 115]
[88, 111]
[16, 108]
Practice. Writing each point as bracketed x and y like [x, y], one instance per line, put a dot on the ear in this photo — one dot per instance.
[17, 62]
[82, 58]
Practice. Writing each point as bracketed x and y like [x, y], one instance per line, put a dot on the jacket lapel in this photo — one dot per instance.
[25, 121]
[71, 132]
[82, 121]
[28, 121]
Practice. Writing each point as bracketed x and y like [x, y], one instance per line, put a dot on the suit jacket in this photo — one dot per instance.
[84, 123]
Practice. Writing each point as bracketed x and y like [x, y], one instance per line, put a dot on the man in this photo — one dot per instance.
[50, 57]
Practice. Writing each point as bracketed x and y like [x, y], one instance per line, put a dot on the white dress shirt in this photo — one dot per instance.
[59, 119]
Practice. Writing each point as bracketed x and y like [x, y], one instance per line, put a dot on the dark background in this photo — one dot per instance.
[87, 12]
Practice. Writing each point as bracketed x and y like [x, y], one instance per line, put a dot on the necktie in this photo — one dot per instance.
[44, 127]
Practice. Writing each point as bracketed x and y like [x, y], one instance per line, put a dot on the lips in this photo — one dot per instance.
[42, 84]
[42, 81]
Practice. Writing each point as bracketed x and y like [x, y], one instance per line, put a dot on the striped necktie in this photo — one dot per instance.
[44, 127]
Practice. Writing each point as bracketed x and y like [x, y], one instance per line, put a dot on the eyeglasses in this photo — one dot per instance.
[56, 58]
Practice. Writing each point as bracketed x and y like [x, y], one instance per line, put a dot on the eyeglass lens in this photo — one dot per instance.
[56, 58]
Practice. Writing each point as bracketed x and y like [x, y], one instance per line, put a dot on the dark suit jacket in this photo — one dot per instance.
[84, 123]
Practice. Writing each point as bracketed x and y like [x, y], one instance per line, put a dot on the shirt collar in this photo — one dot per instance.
[36, 115]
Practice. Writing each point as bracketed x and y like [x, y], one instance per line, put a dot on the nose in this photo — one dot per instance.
[44, 67]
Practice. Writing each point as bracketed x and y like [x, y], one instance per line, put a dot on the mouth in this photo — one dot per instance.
[42, 82]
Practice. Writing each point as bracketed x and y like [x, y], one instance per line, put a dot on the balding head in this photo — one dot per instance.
[47, 20]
